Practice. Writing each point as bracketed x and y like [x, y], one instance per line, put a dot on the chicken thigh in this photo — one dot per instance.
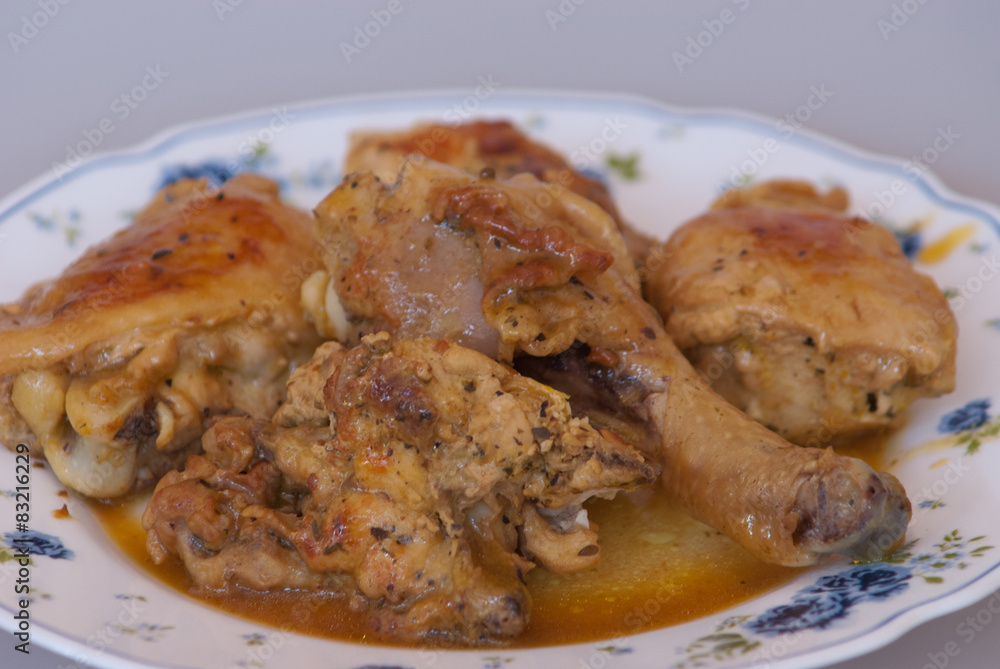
[548, 285]
[111, 370]
[812, 322]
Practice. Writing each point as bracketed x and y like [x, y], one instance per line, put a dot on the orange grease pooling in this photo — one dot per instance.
[658, 568]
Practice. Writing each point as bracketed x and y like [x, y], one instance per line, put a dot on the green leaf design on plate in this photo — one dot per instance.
[716, 647]
[67, 223]
[626, 166]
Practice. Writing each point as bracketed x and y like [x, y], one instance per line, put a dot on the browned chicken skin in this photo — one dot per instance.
[812, 322]
[519, 281]
[493, 146]
[111, 370]
[419, 477]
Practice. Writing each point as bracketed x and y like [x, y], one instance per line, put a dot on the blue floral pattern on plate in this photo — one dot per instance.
[970, 425]
[974, 414]
[832, 597]
[38, 543]
[910, 242]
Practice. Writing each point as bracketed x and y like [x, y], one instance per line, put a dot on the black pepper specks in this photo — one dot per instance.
[541, 433]
[162, 253]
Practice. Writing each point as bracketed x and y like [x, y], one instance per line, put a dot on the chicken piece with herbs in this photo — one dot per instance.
[496, 147]
[418, 477]
[812, 322]
[112, 370]
[548, 286]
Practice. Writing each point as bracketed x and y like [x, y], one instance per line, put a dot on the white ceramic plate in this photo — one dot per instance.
[90, 602]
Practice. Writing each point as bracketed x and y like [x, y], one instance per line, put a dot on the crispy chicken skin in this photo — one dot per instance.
[812, 322]
[111, 370]
[417, 476]
[783, 193]
[551, 289]
[476, 146]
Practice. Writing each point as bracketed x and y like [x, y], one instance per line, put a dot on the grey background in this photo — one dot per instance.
[893, 89]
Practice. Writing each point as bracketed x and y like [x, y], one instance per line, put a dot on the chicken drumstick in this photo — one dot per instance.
[540, 278]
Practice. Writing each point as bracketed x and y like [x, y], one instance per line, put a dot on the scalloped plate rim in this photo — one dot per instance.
[867, 640]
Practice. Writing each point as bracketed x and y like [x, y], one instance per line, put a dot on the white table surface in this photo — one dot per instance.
[899, 71]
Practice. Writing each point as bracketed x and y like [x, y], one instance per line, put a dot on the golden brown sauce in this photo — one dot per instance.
[658, 567]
